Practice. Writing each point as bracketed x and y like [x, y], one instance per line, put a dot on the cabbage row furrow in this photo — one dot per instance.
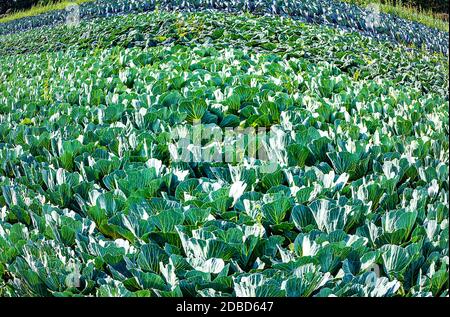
[328, 12]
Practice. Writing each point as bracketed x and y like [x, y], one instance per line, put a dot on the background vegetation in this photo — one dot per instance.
[16, 5]
[36, 9]
[437, 6]
[433, 13]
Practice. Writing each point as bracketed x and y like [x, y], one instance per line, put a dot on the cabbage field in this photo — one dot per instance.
[194, 148]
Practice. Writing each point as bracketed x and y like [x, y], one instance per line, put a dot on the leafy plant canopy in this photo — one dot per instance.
[94, 203]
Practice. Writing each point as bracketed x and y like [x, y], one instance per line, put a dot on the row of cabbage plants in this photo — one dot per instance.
[335, 13]
[359, 56]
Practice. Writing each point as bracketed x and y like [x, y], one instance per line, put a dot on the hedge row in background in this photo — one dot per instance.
[14, 5]
[437, 6]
